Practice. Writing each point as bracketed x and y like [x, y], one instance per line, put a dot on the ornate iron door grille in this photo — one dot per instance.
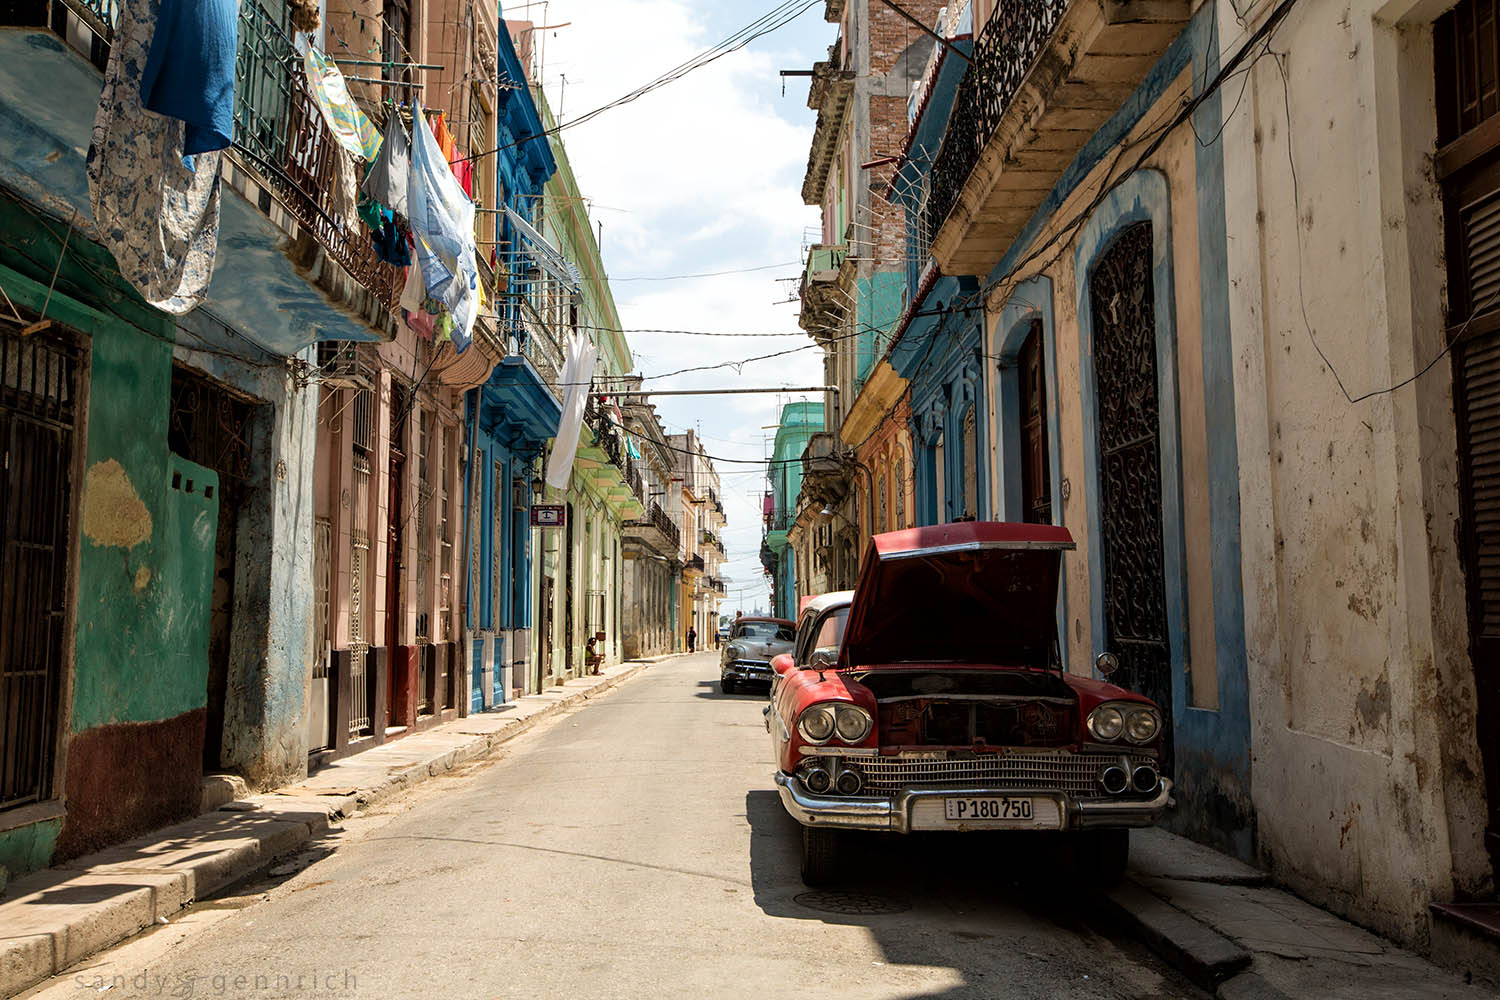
[38, 414]
[1135, 600]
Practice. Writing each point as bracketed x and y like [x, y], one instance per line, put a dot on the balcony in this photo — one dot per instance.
[656, 530]
[1044, 76]
[828, 290]
[602, 455]
[694, 567]
[290, 270]
[711, 538]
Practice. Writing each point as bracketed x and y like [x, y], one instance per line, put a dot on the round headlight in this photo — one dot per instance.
[1106, 723]
[852, 723]
[816, 724]
[1141, 725]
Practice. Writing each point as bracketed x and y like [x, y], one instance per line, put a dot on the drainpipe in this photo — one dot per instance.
[468, 631]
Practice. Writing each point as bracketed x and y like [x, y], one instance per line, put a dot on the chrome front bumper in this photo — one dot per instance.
[741, 670]
[910, 809]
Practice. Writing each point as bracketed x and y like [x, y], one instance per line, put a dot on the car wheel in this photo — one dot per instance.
[1101, 856]
[819, 855]
[726, 684]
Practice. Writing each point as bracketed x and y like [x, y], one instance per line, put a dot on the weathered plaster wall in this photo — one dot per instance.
[144, 586]
[265, 737]
[1368, 788]
[1210, 702]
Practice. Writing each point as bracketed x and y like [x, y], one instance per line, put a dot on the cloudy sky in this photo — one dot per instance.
[702, 175]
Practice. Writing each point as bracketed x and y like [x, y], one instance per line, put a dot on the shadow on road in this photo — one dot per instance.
[710, 689]
[928, 899]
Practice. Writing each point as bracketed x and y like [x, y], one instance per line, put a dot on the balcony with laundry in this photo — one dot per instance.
[606, 453]
[1043, 77]
[295, 262]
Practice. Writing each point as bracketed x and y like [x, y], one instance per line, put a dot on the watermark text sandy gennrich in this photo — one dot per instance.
[310, 981]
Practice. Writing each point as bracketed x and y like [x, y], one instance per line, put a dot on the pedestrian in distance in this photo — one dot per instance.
[692, 638]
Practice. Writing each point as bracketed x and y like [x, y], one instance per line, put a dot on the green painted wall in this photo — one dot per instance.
[880, 304]
[29, 848]
[146, 559]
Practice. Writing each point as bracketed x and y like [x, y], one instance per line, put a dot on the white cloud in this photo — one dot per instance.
[704, 174]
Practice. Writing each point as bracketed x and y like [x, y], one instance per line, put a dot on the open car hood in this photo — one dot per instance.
[976, 592]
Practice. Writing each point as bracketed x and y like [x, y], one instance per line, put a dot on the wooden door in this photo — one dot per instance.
[1036, 478]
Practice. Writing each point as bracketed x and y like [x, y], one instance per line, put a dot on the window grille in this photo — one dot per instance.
[970, 460]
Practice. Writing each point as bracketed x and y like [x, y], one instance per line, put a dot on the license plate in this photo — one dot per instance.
[1020, 809]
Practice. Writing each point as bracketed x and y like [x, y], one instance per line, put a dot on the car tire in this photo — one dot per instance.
[819, 855]
[1101, 856]
[726, 684]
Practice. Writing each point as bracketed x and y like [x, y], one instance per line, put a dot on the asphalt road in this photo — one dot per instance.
[633, 848]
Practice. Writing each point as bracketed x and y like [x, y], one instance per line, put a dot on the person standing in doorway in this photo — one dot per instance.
[692, 638]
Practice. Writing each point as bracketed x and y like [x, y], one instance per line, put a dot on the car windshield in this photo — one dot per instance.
[764, 632]
[830, 633]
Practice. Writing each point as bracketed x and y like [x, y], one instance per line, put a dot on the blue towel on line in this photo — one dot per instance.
[189, 72]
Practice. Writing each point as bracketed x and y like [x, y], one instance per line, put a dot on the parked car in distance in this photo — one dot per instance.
[724, 632]
[753, 641]
[945, 708]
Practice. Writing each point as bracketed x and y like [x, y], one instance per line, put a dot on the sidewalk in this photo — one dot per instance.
[51, 919]
[1224, 925]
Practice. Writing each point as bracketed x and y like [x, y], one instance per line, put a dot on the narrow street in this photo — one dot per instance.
[632, 848]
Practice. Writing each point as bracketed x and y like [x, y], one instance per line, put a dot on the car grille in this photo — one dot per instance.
[1075, 774]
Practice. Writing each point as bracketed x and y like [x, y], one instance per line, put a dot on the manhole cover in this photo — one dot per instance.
[858, 903]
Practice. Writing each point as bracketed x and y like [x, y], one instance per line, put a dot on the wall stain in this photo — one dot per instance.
[113, 513]
[1374, 707]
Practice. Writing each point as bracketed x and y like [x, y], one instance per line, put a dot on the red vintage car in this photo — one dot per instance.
[944, 707]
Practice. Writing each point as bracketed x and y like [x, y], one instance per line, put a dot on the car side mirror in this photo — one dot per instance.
[782, 663]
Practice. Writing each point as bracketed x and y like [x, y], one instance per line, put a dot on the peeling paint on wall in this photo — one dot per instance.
[113, 513]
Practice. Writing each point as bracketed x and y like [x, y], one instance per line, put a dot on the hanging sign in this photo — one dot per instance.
[548, 515]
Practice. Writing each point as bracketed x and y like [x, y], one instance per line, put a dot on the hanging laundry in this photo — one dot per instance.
[156, 211]
[189, 71]
[442, 218]
[464, 171]
[577, 373]
[390, 243]
[386, 182]
[421, 324]
[413, 292]
[372, 213]
[349, 125]
[343, 201]
[443, 136]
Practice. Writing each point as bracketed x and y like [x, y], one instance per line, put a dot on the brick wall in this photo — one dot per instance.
[888, 128]
[891, 34]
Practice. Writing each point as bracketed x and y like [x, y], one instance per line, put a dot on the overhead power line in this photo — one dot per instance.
[778, 17]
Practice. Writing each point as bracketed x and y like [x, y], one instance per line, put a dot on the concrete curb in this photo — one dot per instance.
[53, 919]
[1194, 948]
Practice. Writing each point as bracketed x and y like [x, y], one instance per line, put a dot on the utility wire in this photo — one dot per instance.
[778, 17]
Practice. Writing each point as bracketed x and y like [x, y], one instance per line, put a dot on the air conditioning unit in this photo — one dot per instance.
[341, 365]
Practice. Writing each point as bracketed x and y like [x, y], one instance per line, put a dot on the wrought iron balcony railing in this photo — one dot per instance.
[607, 435]
[661, 521]
[695, 562]
[780, 520]
[279, 128]
[1012, 39]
